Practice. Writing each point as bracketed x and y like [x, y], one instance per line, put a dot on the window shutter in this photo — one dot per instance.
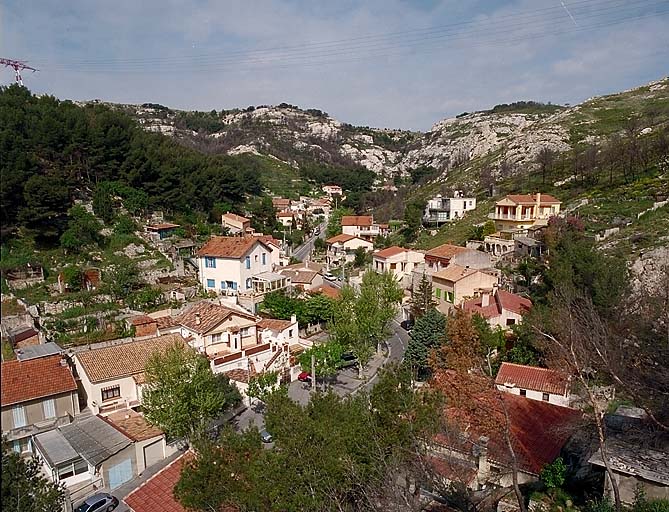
[49, 408]
[19, 414]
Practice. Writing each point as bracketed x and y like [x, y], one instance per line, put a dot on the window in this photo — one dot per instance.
[248, 262]
[264, 258]
[545, 397]
[510, 321]
[233, 284]
[523, 392]
[290, 333]
[49, 408]
[209, 262]
[449, 297]
[72, 468]
[16, 446]
[248, 283]
[215, 338]
[437, 292]
[223, 285]
[19, 414]
[211, 283]
[255, 258]
[111, 393]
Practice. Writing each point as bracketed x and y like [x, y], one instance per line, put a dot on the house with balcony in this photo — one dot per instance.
[455, 284]
[332, 190]
[111, 377]
[499, 309]
[38, 395]
[534, 383]
[227, 264]
[363, 226]
[399, 261]
[341, 248]
[286, 218]
[442, 256]
[517, 212]
[440, 210]
[236, 224]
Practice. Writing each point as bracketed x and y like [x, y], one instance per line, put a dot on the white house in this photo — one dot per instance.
[227, 264]
[446, 209]
[535, 383]
[332, 190]
[341, 248]
[282, 331]
[362, 226]
[111, 377]
[235, 224]
[500, 308]
[399, 261]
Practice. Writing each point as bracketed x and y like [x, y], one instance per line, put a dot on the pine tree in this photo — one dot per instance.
[427, 335]
[421, 298]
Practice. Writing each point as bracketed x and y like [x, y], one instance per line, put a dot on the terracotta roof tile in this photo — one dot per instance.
[502, 300]
[446, 251]
[274, 324]
[234, 217]
[454, 273]
[390, 252]
[531, 377]
[123, 360]
[285, 213]
[340, 238]
[531, 199]
[35, 378]
[229, 246]
[238, 374]
[133, 425]
[156, 494]
[356, 220]
[299, 276]
[142, 320]
[211, 315]
[327, 290]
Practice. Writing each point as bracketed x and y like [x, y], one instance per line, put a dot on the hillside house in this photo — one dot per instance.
[341, 248]
[363, 226]
[281, 203]
[111, 378]
[440, 210]
[333, 190]
[38, 395]
[302, 277]
[522, 211]
[227, 264]
[161, 231]
[454, 284]
[236, 224]
[499, 309]
[286, 218]
[534, 383]
[399, 261]
[440, 257]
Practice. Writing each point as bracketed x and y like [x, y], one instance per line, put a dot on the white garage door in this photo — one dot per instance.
[153, 453]
[120, 473]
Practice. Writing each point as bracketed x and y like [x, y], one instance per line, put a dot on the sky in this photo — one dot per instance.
[384, 63]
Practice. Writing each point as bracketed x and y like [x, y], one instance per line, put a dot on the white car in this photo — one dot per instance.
[329, 276]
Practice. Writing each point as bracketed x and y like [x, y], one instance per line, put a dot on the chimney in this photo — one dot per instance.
[63, 362]
[198, 319]
[538, 202]
[485, 300]
[293, 318]
[481, 454]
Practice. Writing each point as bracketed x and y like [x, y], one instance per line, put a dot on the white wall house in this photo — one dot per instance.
[499, 309]
[227, 264]
[534, 383]
[341, 248]
[399, 261]
[446, 209]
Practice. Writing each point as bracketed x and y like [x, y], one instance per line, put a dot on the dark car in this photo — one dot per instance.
[265, 436]
[348, 360]
[407, 325]
[304, 377]
[101, 502]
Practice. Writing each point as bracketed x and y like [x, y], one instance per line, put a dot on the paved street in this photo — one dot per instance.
[304, 250]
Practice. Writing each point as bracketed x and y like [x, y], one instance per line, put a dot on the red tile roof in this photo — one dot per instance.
[356, 220]
[229, 246]
[340, 238]
[501, 300]
[210, 316]
[235, 218]
[327, 290]
[454, 273]
[531, 199]
[156, 494]
[35, 378]
[285, 213]
[390, 252]
[445, 251]
[274, 324]
[538, 429]
[531, 377]
[142, 320]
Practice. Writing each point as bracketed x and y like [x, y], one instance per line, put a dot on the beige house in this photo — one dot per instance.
[112, 377]
[399, 261]
[235, 224]
[216, 330]
[522, 211]
[286, 218]
[440, 257]
[362, 226]
[37, 395]
[499, 309]
[341, 248]
[302, 277]
[455, 284]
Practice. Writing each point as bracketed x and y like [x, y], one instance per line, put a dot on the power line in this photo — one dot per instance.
[17, 66]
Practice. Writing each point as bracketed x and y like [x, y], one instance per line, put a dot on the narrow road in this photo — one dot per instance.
[304, 250]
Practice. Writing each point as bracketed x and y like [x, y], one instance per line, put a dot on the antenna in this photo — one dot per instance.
[18, 66]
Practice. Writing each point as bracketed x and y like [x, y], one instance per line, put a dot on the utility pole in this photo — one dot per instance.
[17, 66]
[313, 372]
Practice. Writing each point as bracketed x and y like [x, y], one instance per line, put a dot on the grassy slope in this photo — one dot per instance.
[283, 180]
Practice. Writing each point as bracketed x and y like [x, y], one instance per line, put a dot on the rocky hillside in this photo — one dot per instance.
[506, 139]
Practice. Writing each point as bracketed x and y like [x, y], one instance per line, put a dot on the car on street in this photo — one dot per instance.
[265, 436]
[304, 377]
[407, 325]
[348, 360]
[101, 502]
[329, 276]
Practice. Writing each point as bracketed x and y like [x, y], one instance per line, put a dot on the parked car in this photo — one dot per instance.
[348, 360]
[329, 276]
[304, 377]
[101, 502]
[407, 325]
[265, 436]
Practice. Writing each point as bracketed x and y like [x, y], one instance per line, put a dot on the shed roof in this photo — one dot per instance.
[55, 448]
[634, 459]
[40, 350]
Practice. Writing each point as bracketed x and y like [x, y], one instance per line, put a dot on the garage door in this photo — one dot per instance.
[120, 473]
[153, 453]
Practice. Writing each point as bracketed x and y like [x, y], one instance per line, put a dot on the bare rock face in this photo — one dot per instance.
[650, 270]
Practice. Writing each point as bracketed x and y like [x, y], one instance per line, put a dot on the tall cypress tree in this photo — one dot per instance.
[428, 333]
[421, 298]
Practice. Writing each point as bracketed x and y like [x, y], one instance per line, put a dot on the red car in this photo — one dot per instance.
[304, 377]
